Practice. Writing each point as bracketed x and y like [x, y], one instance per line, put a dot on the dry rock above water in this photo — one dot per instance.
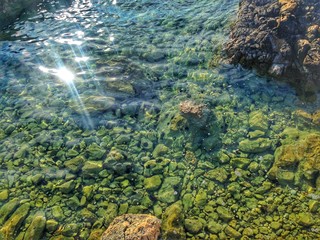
[280, 38]
[133, 226]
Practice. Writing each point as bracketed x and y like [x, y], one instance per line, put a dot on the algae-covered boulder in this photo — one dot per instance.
[117, 162]
[37, 227]
[11, 227]
[258, 121]
[297, 159]
[92, 104]
[7, 209]
[217, 174]
[193, 225]
[255, 145]
[168, 192]
[172, 226]
[152, 183]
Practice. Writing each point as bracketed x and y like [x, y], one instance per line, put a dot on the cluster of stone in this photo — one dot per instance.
[280, 38]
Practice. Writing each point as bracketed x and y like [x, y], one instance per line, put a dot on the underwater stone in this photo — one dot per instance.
[305, 219]
[201, 198]
[87, 215]
[75, 164]
[214, 227]
[92, 168]
[187, 201]
[67, 186]
[37, 227]
[72, 153]
[160, 150]
[193, 225]
[11, 227]
[285, 177]
[224, 213]
[117, 161]
[152, 183]
[230, 231]
[240, 162]
[95, 152]
[93, 104]
[133, 226]
[112, 212]
[146, 144]
[70, 230]
[255, 146]
[313, 206]
[168, 192]
[172, 226]
[36, 179]
[4, 194]
[256, 134]
[57, 213]
[88, 191]
[258, 121]
[275, 225]
[7, 209]
[218, 174]
[51, 225]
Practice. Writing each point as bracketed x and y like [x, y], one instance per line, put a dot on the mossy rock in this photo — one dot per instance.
[95, 152]
[92, 168]
[152, 183]
[172, 226]
[240, 162]
[255, 145]
[11, 227]
[224, 213]
[217, 174]
[168, 192]
[160, 150]
[7, 209]
[36, 229]
[193, 225]
[258, 121]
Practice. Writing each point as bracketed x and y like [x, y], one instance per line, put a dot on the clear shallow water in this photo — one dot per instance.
[90, 97]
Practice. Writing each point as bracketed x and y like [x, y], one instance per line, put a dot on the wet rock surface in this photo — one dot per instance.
[133, 226]
[280, 38]
[11, 9]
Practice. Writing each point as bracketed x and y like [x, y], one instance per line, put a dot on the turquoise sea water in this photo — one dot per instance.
[92, 126]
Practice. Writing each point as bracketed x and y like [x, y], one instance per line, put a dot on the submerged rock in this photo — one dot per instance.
[172, 226]
[280, 38]
[37, 227]
[296, 161]
[11, 227]
[133, 226]
[12, 9]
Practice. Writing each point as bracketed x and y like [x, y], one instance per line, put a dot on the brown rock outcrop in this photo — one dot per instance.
[280, 38]
[133, 227]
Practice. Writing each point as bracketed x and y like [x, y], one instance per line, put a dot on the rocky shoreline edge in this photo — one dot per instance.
[280, 38]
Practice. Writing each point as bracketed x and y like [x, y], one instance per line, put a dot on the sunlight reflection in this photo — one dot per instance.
[69, 41]
[62, 73]
[81, 59]
[66, 75]
[111, 37]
